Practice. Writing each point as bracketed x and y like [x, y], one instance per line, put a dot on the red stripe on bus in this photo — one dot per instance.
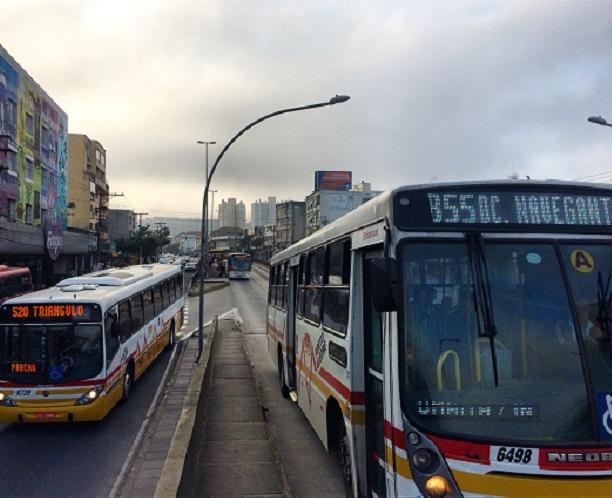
[450, 448]
[395, 435]
[463, 450]
[353, 397]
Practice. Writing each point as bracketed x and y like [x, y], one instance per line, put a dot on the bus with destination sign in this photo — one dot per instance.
[71, 352]
[455, 339]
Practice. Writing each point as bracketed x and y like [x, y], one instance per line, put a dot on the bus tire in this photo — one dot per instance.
[344, 460]
[171, 337]
[127, 382]
[339, 444]
[281, 377]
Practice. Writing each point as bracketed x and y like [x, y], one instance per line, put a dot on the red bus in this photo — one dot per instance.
[14, 281]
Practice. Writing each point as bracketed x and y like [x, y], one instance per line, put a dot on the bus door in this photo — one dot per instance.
[374, 399]
[291, 342]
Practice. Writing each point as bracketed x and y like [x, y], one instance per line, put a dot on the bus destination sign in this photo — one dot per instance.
[34, 312]
[504, 210]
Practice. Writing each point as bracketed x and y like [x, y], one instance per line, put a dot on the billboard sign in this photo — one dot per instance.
[333, 180]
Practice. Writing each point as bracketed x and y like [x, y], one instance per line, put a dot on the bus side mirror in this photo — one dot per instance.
[383, 284]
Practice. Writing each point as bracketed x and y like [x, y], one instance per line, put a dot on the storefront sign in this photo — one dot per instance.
[53, 237]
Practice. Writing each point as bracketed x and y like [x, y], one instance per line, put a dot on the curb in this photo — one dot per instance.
[170, 478]
[129, 461]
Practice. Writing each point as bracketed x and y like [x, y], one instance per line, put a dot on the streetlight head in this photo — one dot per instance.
[203, 142]
[597, 120]
[338, 99]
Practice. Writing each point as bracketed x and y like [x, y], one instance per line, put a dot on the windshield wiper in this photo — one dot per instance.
[604, 302]
[482, 298]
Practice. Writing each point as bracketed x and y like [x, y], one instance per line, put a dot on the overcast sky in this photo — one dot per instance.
[439, 90]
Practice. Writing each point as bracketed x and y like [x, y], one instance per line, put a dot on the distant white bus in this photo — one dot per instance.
[239, 265]
[71, 352]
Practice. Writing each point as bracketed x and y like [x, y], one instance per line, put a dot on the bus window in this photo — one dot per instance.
[165, 294]
[335, 309]
[112, 342]
[279, 285]
[178, 281]
[271, 284]
[301, 279]
[137, 314]
[339, 264]
[316, 266]
[312, 304]
[157, 296]
[286, 286]
[336, 294]
[125, 321]
[148, 306]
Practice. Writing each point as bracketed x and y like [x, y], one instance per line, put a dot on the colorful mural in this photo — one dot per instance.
[33, 149]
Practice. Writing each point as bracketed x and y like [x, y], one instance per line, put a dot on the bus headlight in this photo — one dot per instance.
[6, 400]
[90, 396]
[437, 487]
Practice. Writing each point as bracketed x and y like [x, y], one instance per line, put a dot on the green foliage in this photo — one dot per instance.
[144, 239]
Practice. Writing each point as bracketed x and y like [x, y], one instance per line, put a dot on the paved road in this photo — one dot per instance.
[48, 460]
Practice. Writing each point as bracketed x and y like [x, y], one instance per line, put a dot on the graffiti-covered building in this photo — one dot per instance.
[33, 176]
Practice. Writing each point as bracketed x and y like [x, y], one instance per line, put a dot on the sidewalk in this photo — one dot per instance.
[230, 453]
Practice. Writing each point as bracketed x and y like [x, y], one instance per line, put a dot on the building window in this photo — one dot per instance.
[12, 112]
[29, 170]
[11, 161]
[43, 215]
[29, 214]
[30, 124]
[12, 205]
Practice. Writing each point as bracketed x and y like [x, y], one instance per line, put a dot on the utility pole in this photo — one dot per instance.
[99, 232]
[158, 228]
[140, 232]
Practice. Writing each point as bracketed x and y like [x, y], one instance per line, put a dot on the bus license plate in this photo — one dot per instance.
[45, 415]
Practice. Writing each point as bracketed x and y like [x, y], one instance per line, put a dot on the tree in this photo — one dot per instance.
[145, 240]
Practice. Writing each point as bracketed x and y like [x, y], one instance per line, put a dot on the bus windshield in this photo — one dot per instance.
[35, 354]
[239, 262]
[496, 344]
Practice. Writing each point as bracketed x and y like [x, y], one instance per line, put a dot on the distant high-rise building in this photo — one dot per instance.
[325, 206]
[290, 223]
[232, 213]
[263, 212]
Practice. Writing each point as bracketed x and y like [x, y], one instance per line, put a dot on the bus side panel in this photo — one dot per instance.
[311, 397]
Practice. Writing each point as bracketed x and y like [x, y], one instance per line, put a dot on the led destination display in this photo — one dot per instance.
[505, 210]
[50, 313]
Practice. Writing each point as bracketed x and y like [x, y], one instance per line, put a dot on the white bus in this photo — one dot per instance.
[238, 265]
[71, 352]
[456, 339]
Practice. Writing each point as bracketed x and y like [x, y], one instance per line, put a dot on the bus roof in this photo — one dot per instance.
[380, 207]
[106, 287]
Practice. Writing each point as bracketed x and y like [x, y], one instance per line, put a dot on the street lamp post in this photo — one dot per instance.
[338, 99]
[598, 120]
[204, 267]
